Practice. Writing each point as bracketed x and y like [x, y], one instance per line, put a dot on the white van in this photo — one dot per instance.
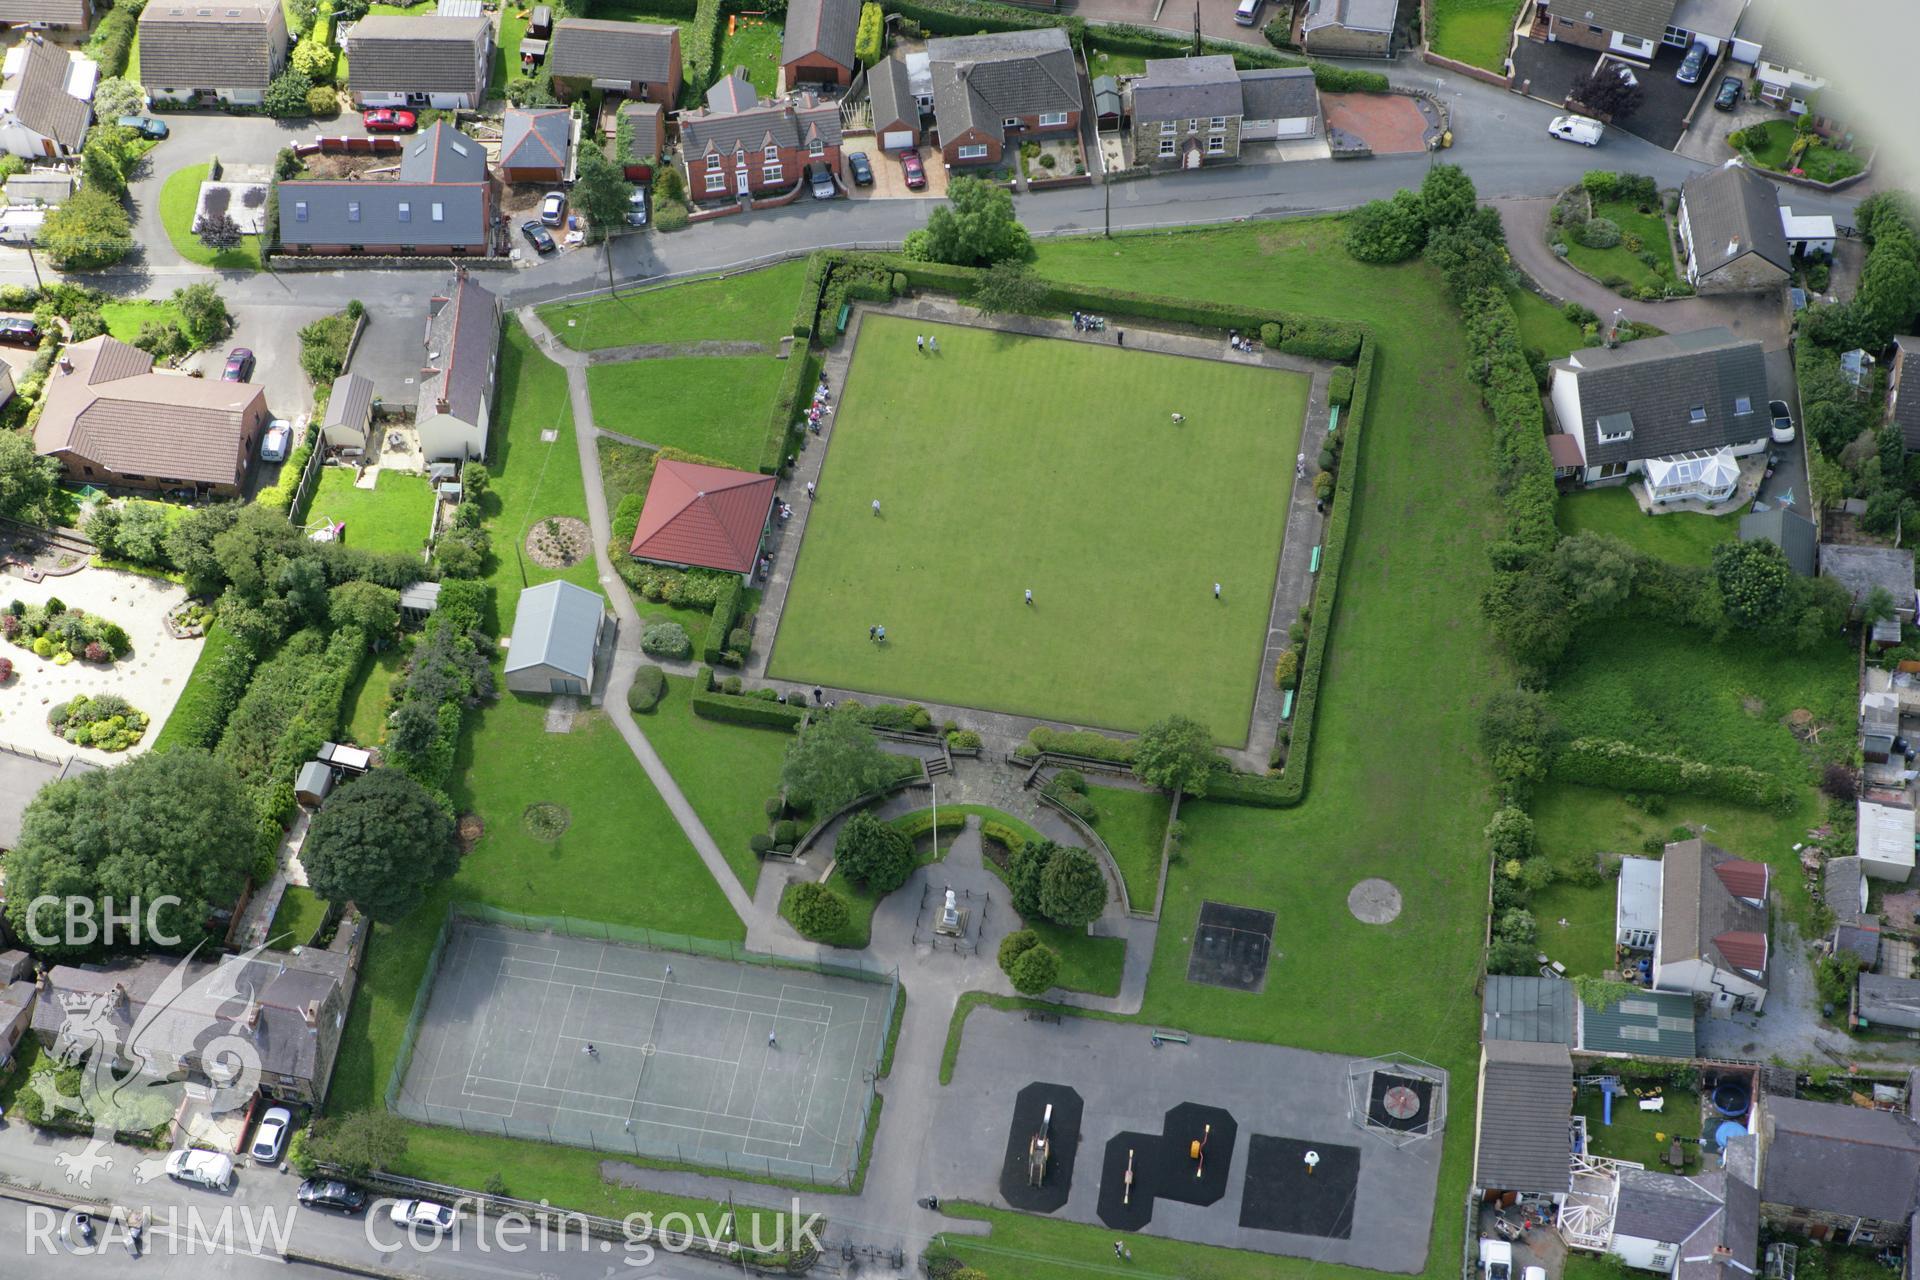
[209, 1169]
[1581, 129]
[1247, 12]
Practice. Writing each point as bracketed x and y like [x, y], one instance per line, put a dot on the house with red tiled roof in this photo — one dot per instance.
[1713, 926]
[701, 517]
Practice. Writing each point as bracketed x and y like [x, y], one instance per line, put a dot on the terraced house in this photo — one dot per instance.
[992, 92]
[441, 204]
[438, 62]
[208, 53]
[740, 146]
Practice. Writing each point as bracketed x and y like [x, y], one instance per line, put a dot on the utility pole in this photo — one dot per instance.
[1106, 181]
[1196, 28]
[26, 242]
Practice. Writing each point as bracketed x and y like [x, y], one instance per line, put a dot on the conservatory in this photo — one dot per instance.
[1704, 475]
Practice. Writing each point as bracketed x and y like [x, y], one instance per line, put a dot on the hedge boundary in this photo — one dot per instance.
[1622, 766]
[740, 708]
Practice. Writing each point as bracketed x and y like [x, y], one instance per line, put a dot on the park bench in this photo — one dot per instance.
[840, 322]
[1042, 1015]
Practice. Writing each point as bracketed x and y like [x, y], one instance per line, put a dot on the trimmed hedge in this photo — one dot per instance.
[1340, 387]
[703, 47]
[1498, 365]
[644, 694]
[1002, 834]
[1621, 766]
[807, 310]
[920, 822]
[1267, 791]
[726, 611]
[972, 17]
[910, 718]
[795, 386]
[219, 680]
[736, 708]
[1084, 742]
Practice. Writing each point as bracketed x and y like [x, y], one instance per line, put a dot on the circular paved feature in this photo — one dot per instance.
[1400, 1102]
[1374, 902]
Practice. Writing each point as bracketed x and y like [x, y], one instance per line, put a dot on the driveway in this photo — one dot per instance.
[889, 180]
[1750, 315]
[1706, 140]
[1388, 123]
[273, 335]
[1550, 70]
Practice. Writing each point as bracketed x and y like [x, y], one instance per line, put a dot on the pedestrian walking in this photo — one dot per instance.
[876, 506]
[1029, 595]
[809, 488]
[1179, 417]
[920, 343]
[771, 1042]
[881, 632]
[1120, 336]
[1216, 591]
[1300, 467]
[590, 1051]
[1119, 1250]
[933, 343]
[873, 633]
[819, 694]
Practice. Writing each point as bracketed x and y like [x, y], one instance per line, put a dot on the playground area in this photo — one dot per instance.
[750, 1067]
[1217, 1142]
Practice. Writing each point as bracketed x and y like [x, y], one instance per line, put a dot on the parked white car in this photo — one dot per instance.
[424, 1214]
[208, 1169]
[1581, 129]
[270, 1136]
[277, 442]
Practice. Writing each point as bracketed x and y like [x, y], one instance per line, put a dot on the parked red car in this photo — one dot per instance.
[389, 120]
[915, 171]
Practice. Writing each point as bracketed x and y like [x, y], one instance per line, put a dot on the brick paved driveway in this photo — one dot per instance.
[1389, 123]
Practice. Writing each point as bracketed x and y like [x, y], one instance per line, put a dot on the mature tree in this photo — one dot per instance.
[1510, 835]
[1034, 970]
[142, 533]
[302, 584]
[1447, 197]
[368, 605]
[1889, 292]
[1026, 873]
[190, 545]
[600, 191]
[1879, 605]
[1008, 287]
[1754, 580]
[360, 1142]
[89, 231]
[1176, 755]
[1528, 613]
[174, 823]
[313, 60]
[1073, 890]
[1608, 90]
[203, 314]
[108, 157]
[1469, 258]
[975, 226]
[872, 853]
[26, 479]
[816, 911]
[1015, 944]
[835, 761]
[1387, 230]
[1596, 571]
[379, 842]
[286, 97]
[1515, 727]
[218, 231]
[115, 97]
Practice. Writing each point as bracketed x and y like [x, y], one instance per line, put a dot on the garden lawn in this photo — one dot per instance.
[366, 717]
[1133, 825]
[1669, 689]
[1620, 262]
[297, 918]
[391, 516]
[1544, 327]
[514, 20]
[755, 45]
[1683, 537]
[1106, 63]
[713, 406]
[179, 197]
[1769, 142]
[1643, 1136]
[1010, 462]
[1476, 32]
[1408, 649]
[125, 319]
[755, 307]
[726, 770]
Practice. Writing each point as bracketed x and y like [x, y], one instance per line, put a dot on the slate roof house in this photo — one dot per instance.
[396, 60]
[1731, 231]
[738, 145]
[1634, 28]
[1765, 38]
[457, 378]
[48, 15]
[703, 517]
[1349, 28]
[1186, 112]
[638, 59]
[559, 631]
[441, 204]
[1904, 413]
[1838, 1173]
[536, 145]
[225, 51]
[991, 92]
[46, 100]
[1279, 103]
[1680, 410]
[817, 44]
[1713, 926]
[1788, 530]
[1687, 1227]
[109, 419]
[289, 1005]
[1523, 1112]
[896, 112]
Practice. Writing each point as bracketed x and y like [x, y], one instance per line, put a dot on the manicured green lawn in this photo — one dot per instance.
[366, 716]
[124, 319]
[1477, 32]
[298, 917]
[1408, 649]
[1543, 327]
[1622, 262]
[715, 407]
[1009, 463]
[514, 19]
[1769, 141]
[1133, 824]
[179, 196]
[1684, 537]
[755, 45]
[755, 307]
[1108, 63]
[391, 516]
[726, 770]
[1643, 1136]
[1669, 689]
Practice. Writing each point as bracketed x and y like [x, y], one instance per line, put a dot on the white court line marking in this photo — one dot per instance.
[439, 1046]
[531, 1032]
[693, 987]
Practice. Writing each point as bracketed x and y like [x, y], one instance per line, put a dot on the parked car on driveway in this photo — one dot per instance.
[861, 168]
[1248, 13]
[553, 209]
[275, 445]
[389, 120]
[821, 183]
[1729, 95]
[325, 1193]
[637, 208]
[239, 365]
[537, 237]
[1782, 421]
[145, 126]
[916, 171]
[19, 331]
[207, 1169]
[1580, 129]
[270, 1135]
[1692, 65]
[424, 1214]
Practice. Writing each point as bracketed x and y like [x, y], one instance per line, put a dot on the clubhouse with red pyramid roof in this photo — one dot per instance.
[703, 517]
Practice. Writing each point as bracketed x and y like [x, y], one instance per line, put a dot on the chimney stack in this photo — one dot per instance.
[252, 1017]
[442, 405]
[311, 1012]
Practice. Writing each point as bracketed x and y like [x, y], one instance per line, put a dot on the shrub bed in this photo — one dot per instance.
[53, 631]
[1082, 742]
[104, 722]
[910, 718]
[451, 669]
[920, 822]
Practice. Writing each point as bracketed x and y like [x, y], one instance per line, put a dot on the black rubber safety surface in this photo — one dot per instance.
[1063, 1137]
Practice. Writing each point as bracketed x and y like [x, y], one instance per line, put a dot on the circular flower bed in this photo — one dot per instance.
[60, 634]
[559, 542]
[105, 723]
[546, 822]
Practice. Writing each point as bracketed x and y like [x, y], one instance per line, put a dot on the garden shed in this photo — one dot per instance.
[557, 638]
[349, 412]
[418, 601]
[315, 780]
[1886, 841]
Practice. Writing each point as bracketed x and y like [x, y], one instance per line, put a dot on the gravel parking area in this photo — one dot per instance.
[150, 677]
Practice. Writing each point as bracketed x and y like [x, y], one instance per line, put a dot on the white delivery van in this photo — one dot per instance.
[1587, 132]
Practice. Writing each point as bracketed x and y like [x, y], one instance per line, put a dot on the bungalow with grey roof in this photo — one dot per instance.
[1838, 1173]
[992, 92]
[1634, 28]
[206, 53]
[1731, 231]
[1349, 28]
[396, 60]
[638, 59]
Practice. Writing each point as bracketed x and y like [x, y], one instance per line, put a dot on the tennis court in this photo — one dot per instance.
[747, 1066]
